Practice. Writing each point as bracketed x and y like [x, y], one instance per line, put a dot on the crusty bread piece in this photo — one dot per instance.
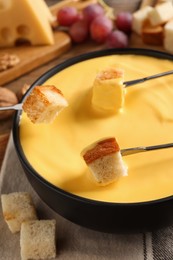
[139, 19]
[44, 103]
[152, 35]
[108, 90]
[168, 37]
[37, 239]
[161, 14]
[104, 161]
[17, 207]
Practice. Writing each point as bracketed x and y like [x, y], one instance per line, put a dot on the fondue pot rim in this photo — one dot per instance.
[49, 74]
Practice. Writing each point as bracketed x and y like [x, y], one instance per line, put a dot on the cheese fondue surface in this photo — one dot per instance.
[54, 149]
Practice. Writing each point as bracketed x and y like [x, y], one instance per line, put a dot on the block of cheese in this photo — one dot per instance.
[139, 18]
[161, 14]
[168, 36]
[108, 90]
[25, 21]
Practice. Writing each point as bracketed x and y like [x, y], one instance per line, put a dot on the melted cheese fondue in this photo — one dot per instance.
[53, 150]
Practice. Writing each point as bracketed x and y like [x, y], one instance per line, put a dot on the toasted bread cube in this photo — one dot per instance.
[44, 103]
[161, 14]
[139, 19]
[168, 39]
[104, 161]
[17, 207]
[37, 239]
[152, 35]
[108, 90]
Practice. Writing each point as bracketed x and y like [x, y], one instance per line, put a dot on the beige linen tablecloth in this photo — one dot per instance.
[75, 242]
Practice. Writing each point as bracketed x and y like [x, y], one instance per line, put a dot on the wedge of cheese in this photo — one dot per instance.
[108, 90]
[25, 21]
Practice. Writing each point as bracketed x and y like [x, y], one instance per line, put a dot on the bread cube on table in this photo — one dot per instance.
[152, 35]
[17, 207]
[44, 103]
[37, 239]
[168, 36]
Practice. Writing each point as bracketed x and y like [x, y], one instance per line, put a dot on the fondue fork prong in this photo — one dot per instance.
[137, 81]
[140, 149]
[14, 107]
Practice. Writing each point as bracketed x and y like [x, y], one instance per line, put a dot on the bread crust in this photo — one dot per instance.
[101, 148]
[152, 35]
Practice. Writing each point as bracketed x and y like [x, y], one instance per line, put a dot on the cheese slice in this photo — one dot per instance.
[25, 20]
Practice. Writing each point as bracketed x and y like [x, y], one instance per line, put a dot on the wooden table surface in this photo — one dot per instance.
[29, 78]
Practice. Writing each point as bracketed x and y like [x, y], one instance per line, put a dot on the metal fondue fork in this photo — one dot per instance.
[137, 81]
[14, 107]
[126, 83]
[140, 149]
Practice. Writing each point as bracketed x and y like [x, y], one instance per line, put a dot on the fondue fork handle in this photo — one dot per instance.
[15, 107]
[137, 81]
[141, 149]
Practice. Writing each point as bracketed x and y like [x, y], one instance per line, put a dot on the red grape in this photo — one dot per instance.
[66, 16]
[100, 28]
[92, 11]
[124, 22]
[79, 31]
[117, 39]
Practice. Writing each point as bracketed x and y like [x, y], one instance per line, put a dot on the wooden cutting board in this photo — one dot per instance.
[34, 56]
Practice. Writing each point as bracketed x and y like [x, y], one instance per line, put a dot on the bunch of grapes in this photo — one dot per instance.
[93, 22]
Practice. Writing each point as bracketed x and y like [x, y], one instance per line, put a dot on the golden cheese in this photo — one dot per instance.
[108, 95]
[25, 20]
[147, 119]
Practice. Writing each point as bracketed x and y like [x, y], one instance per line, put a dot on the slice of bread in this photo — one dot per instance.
[108, 90]
[161, 14]
[17, 207]
[152, 35]
[139, 19]
[37, 239]
[168, 36]
[104, 161]
[44, 103]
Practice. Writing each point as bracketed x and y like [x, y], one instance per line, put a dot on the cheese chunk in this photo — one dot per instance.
[25, 20]
[161, 14]
[139, 19]
[108, 90]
